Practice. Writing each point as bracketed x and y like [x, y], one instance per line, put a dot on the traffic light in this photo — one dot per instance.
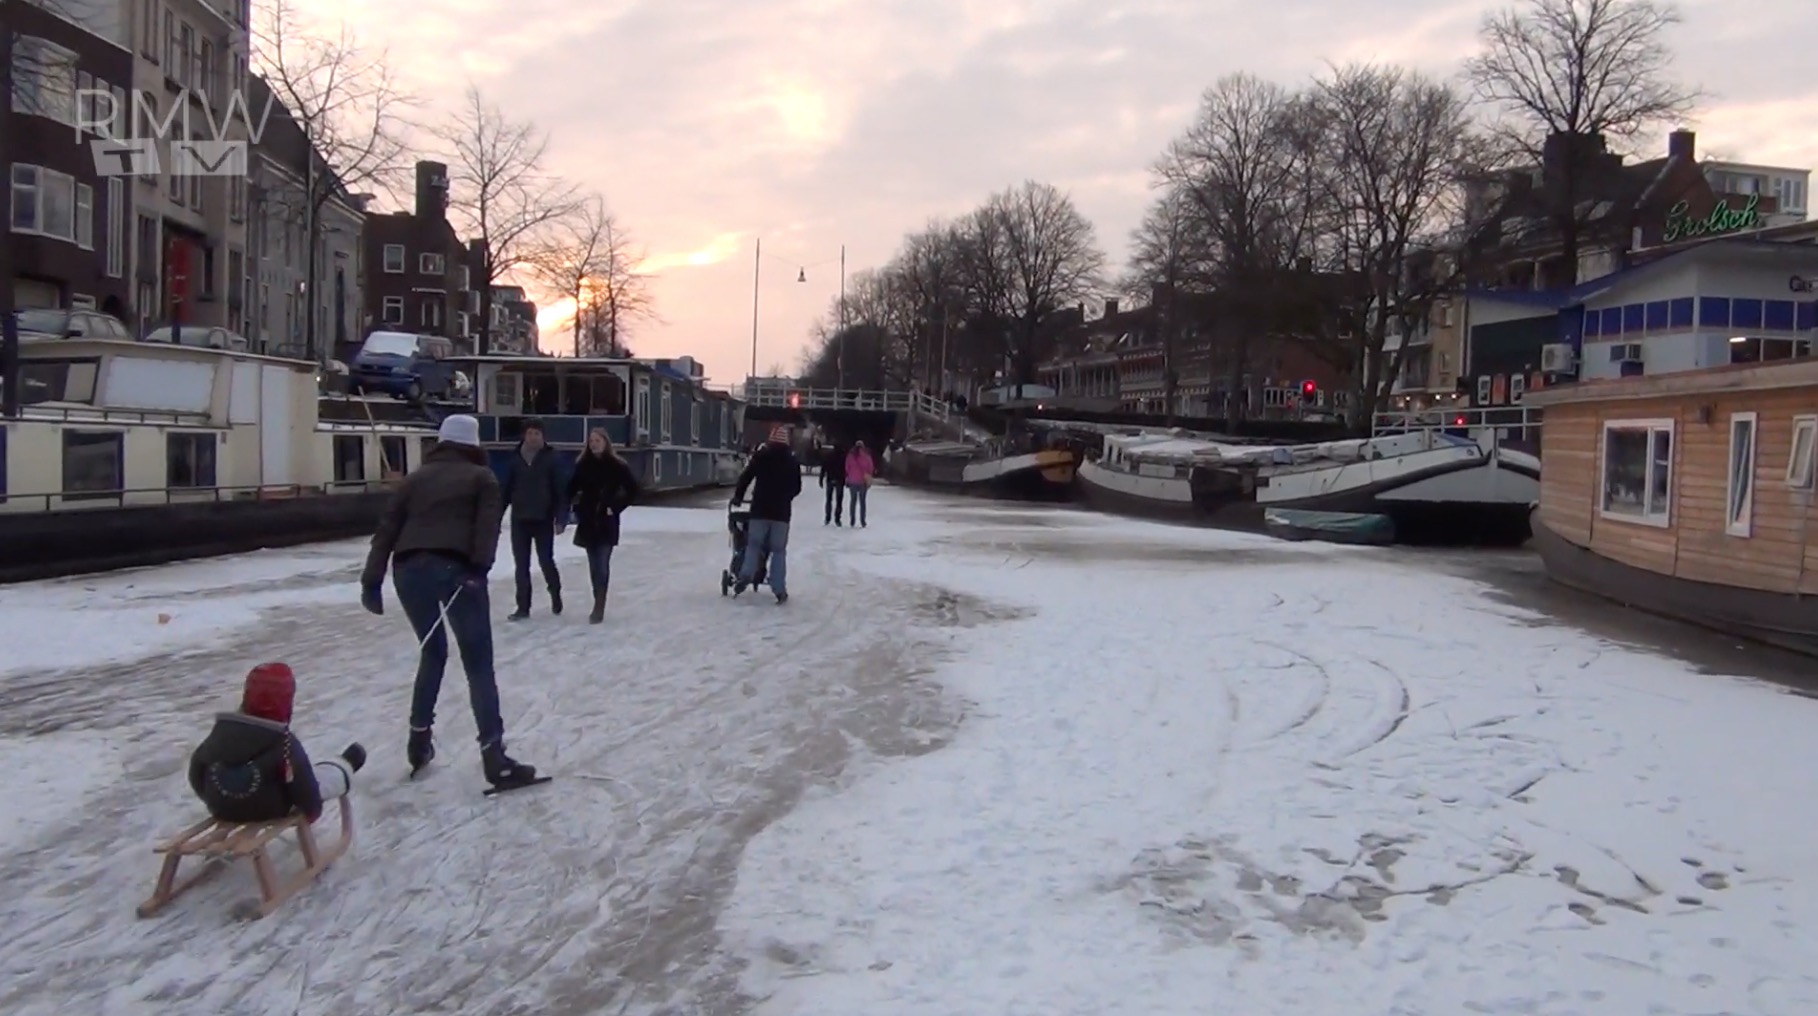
[1309, 390]
[795, 400]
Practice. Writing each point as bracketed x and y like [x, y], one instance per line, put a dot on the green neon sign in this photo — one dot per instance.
[1681, 226]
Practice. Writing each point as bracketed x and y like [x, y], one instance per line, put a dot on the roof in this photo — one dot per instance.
[1730, 249]
[1742, 377]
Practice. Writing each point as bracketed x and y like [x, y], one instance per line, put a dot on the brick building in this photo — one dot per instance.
[417, 279]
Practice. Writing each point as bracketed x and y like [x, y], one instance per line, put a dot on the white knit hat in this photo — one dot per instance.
[460, 429]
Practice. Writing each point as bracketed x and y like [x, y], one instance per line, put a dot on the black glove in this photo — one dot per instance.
[373, 599]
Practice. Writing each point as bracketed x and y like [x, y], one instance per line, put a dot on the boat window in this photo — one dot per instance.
[350, 458]
[1741, 517]
[189, 460]
[57, 381]
[542, 394]
[93, 463]
[1638, 471]
[391, 449]
[594, 395]
[1799, 461]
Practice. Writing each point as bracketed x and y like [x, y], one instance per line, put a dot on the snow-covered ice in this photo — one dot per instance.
[989, 760]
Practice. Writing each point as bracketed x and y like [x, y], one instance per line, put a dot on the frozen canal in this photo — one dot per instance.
[988, 760]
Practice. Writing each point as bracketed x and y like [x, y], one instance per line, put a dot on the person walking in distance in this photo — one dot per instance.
[600, 490]
[778, 475]
[439, 535]
[833, 477]
[534, 494]
[860, 468]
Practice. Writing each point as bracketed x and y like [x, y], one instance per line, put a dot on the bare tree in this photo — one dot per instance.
[1398, 146]
[1245, 163]
[1170, 259]
[930, 272]
[1049, 259]
[502, 193]
[349, 110]
[1564, 72]
[589, 259]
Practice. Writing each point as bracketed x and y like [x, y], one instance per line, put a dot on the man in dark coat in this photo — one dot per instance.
[536, 497]
[251, 768]
[778, 475]
[833, 477]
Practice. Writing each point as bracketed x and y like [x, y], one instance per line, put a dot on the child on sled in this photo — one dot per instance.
[251, 768]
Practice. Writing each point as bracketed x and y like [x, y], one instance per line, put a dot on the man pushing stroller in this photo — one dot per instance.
[778, 475]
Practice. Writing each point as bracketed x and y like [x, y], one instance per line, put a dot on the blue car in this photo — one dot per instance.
[404, 365]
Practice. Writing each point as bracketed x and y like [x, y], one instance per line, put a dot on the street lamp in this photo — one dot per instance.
[801, 276]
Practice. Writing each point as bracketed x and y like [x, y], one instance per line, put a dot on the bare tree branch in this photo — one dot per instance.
[502, 194]
[589, 259]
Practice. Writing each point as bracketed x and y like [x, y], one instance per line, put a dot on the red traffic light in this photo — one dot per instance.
[1308, 389]
[1458, 421]
[795, 400]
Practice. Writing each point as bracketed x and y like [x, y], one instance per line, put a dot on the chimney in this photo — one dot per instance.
[1682, 143]
[1111, 307]
[432, 190]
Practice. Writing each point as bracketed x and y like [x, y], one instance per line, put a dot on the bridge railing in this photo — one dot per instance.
[863, 399]
[1518, 426]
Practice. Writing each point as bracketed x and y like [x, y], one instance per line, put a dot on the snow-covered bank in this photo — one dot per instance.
[1257, 781]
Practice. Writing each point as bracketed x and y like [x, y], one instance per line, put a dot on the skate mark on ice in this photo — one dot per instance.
[1312, 703]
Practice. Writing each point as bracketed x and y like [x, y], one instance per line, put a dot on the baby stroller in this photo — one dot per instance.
[738, 523]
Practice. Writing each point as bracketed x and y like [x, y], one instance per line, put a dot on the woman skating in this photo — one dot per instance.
[860, 468]
[601, 488]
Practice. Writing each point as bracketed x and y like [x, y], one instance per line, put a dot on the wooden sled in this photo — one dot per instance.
[219, 843]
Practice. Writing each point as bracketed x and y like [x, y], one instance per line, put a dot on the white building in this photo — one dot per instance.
[1790, 188]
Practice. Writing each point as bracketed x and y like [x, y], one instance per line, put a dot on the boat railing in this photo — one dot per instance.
[1516, 427]
[12, 502]
[98, 414]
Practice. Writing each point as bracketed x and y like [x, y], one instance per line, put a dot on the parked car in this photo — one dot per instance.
[404, 365]
[199, 336]
[38, 324]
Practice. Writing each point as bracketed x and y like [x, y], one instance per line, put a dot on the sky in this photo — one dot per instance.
[817, 125]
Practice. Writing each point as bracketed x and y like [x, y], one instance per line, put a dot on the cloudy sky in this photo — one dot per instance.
[709, 124]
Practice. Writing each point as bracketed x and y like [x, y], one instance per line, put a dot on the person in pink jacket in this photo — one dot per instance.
[860, 468]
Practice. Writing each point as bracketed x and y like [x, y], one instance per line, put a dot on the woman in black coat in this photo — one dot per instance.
[602, 486]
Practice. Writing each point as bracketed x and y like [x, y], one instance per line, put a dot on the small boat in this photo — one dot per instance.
[997, 468]
[1330, 527]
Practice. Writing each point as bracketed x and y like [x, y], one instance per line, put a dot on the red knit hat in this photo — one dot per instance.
[270, 690]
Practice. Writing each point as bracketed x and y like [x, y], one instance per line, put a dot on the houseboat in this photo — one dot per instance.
[1689, 495]
[1026, 466]
[674, 431]
[1446, 482]
[136, 453]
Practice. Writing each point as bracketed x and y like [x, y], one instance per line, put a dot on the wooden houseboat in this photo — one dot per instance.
[136, 453]
[1689, 495]
[673, 430]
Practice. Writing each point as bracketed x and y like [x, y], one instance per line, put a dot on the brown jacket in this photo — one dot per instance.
[450, 504]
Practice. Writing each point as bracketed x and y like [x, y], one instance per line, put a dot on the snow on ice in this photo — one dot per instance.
[988, 760]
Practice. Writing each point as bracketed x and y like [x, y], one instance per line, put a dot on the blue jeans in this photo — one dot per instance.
[599, 567]
[427, 586]
[766, 538]
[856, 495]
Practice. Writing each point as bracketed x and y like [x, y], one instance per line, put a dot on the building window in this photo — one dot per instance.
[1799, 460]
[148, 30]
[116, 227]
[432, 264]
[392, 452]
[394, 258]
[171, 66]
[1638, 471]
[667, 419]
[205, 72]
[44, 202]
[189, 460]
[350, 459]
[1756, 349]
[85, 216]
[1739, 520]
[183, 69]
[45, 80]
[432, 313]
[393, 311]
[93, 464]
[693, 436]
[236, 198]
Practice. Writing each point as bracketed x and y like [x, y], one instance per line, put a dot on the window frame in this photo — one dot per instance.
[386, 305]
[385, 259]
[1662, 518]
[194, 439]
[339, 442]
[1808, 424]
[115, 493]
[428, 259]
[387, 471]
[83, 215]
[1739, 515]
[116, 228]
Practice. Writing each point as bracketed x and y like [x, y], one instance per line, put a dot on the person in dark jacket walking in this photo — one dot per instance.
[833, 477]
[439, 535]
[600, 490]
[778, 475]
[534, 494]
[251, 768]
